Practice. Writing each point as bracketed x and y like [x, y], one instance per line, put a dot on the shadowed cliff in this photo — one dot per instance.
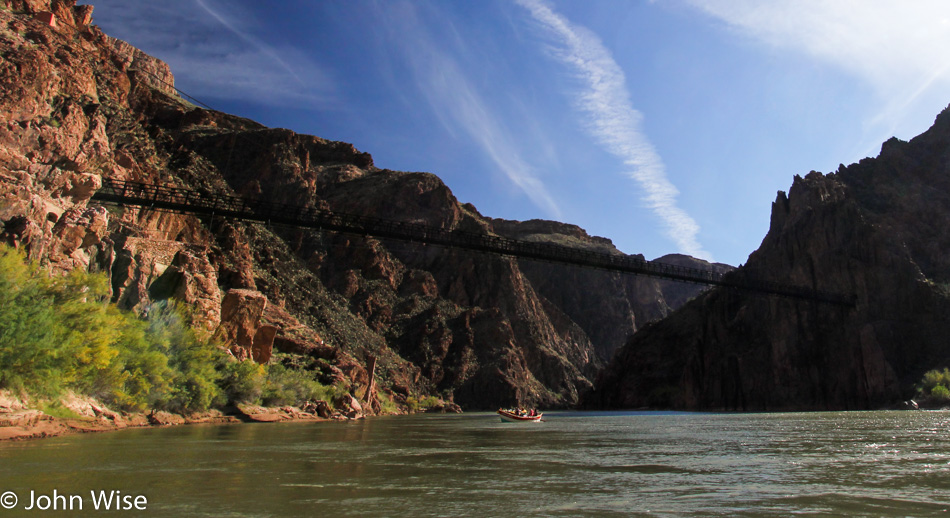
[878, 229]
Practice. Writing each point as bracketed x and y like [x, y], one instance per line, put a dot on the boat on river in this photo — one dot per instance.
[519, 416]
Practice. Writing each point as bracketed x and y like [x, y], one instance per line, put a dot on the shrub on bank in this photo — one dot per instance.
[242, 381]
[420, 405]
[386, 404]
[61, 333]
[940, 393]
[285, 386]
[935, 385]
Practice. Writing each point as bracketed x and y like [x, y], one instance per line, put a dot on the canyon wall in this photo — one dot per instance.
[878, 230]
[77, 106]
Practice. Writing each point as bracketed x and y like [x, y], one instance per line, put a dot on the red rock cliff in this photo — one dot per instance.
[77, 106]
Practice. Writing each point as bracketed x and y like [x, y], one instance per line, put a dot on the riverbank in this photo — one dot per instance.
[75, 414]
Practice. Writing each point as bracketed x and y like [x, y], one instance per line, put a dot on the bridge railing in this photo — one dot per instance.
[195, 202]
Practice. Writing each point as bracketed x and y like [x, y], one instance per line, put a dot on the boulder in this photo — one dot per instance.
[319, 407]
[191, 279]
[446, 407]
[160, 418]
[349, 406]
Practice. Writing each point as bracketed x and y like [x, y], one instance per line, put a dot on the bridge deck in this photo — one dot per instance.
[193, 202]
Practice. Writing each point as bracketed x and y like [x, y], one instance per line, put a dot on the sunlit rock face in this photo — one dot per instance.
[77, 107]
[878, 230]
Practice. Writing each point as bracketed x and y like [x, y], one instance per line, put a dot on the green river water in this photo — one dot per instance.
[573, 464]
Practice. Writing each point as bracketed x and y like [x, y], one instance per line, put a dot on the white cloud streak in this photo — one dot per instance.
[455, 100]
[249, 38]
[449, 92]
[613, 121]
[898, 48]
[883, 41]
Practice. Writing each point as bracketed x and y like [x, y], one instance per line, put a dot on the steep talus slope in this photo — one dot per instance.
[878, 230]
[77, 106]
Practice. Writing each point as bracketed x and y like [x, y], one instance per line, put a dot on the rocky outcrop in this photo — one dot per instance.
[876, 230]
[349, 406]
[259, 414]
[144, 68]
[241, 330]
[479, 331]
[165, 419]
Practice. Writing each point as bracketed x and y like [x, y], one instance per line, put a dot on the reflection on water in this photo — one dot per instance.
[592, 464]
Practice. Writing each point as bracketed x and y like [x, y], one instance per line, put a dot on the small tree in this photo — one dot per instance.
[936, 385]
[940, 393]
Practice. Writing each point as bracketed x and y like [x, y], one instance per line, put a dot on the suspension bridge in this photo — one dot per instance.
[188, 201]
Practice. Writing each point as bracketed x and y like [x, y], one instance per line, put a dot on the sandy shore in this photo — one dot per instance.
[19, 422]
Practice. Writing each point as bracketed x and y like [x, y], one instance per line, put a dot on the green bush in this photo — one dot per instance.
[139, 376]
[242, 381]
[272, 385]
[292, 387]
[940, 393]
[48, 341]
[62, 333]
[194, 385]
[386, 404]
[415, 404]
[56, 409]
[55, 333]
[934, 379]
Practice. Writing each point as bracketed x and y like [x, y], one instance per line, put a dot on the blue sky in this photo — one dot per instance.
[666, 126]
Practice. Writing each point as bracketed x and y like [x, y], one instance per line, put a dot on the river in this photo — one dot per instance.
[573, 464]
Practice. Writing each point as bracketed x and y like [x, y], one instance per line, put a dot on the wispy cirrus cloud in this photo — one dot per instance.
[882, 41]
[611, 118]
[898, 48]
[460, 107]
[217, 56]
[248, 37]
